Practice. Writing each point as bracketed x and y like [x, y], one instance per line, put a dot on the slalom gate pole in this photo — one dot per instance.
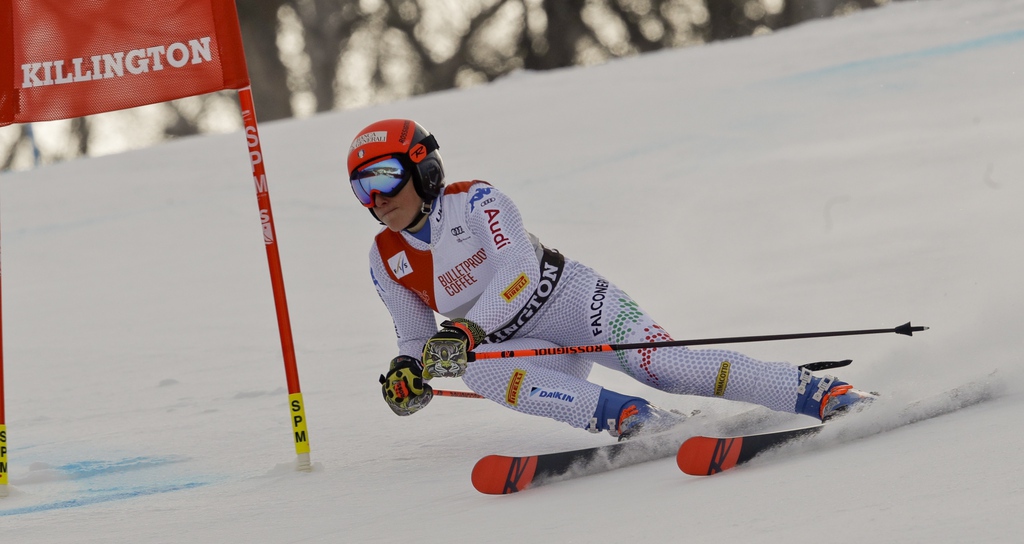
[259, 177]
[3, 420]
[905, 329]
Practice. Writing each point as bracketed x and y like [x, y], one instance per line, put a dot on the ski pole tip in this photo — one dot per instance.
[908, 330]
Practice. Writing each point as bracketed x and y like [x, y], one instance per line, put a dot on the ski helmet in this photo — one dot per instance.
[410, 143]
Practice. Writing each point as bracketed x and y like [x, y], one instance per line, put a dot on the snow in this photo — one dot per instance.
[856, 172]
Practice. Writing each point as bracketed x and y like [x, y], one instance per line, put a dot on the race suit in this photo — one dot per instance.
[481, 264]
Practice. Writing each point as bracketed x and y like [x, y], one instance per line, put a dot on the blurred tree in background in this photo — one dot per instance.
[310, 56]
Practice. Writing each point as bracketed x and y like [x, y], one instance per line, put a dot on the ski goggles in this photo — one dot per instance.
[386, 176]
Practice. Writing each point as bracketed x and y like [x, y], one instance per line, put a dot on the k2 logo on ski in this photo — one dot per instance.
[400, 265]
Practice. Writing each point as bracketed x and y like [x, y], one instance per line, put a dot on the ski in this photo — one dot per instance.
[707, 455]
[502, 474]
[505, 474]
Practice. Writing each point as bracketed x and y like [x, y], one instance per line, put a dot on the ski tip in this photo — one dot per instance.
[703, 455]
[501, 475]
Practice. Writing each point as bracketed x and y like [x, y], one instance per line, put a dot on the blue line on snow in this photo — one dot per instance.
[994, 40]
[112, 480]
[85, 469]
[85, 501]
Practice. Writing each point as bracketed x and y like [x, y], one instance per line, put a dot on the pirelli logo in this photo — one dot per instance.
[515, 383]
[723, 379]
[517, 286]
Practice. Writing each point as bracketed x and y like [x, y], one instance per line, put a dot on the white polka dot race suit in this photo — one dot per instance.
[481, 264]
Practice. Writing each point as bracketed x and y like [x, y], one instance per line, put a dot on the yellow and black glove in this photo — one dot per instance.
[403, 386]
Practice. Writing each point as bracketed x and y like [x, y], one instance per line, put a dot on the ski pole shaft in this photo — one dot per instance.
[460, 394]
[906, 329]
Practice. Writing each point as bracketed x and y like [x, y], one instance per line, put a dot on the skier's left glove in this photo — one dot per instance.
[403, 387]
[445, 354]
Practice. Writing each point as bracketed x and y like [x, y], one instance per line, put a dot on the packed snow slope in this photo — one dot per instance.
[858, 172]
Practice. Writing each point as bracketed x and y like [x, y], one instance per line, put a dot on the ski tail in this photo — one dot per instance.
[502, 474]
[705, 455]
[702, 455]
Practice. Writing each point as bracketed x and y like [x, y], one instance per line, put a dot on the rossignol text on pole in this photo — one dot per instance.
[905, 329]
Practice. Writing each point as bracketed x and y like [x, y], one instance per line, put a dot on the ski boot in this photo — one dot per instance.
[643, 418]
[827, 398]
[628, 417]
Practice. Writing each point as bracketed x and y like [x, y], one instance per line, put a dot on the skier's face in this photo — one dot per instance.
[396, 212]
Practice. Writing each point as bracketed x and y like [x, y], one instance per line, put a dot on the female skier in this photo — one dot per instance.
[461, 250]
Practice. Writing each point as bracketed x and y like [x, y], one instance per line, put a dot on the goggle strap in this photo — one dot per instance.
[430, 143]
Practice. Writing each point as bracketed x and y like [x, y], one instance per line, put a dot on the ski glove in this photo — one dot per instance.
[445, 354]
[403, 386]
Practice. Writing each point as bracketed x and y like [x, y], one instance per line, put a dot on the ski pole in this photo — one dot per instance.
[905, 329]
[460, 394]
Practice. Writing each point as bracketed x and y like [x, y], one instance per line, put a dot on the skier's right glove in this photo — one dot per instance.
[403, 387]
[446, 354]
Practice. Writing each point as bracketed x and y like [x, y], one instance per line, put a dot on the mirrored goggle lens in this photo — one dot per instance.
[385, 177]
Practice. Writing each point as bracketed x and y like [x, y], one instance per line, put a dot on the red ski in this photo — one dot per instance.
[504, 474]
[705, 455]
